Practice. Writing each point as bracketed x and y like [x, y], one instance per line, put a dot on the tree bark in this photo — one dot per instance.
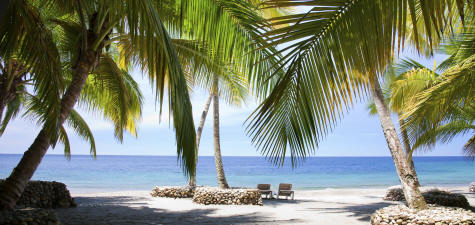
[192, 180]
[407, 147]
[14, 185]
[406, 176]
[222, 183]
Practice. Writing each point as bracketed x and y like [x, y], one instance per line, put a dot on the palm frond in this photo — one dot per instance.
[64, 139]
[113, 92]
[13, 108]
[469, 147]
[330, 60]
[156, 54]
[231, 29]
[81, 128]
[35, 109]
[23, 34]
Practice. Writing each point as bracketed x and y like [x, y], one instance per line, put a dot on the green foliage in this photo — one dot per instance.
[331, 56]
[439, 107]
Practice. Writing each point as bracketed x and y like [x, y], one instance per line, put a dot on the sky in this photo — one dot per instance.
[357, 134]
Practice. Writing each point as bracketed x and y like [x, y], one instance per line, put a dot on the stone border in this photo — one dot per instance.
[29, 216]
[232, 196]
[45, 194]
[173, 191]
[432, 195]
[438, 215]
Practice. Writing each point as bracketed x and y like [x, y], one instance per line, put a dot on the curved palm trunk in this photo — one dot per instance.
[14, 185]
[406, 175]
[407, 147]
[192, 180]
[222, 183]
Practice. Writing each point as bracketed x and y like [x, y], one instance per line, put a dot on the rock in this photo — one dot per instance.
[471, 188]
[438, 215]
[29, 216]
[232, 196]
[173, 191]
[45, 194]
[432, 195]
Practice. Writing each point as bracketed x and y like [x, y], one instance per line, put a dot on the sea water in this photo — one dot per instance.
[85, 174]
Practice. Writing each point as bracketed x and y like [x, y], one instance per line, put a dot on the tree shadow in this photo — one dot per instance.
[362, 212]
[122, 210]
[276, 202]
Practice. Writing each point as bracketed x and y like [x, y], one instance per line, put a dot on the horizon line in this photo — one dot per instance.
[234, 155]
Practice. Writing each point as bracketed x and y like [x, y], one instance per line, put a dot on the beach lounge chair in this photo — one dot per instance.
[285, 190]
[264, 189]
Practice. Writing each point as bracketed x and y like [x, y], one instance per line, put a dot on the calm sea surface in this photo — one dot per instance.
[113, 173]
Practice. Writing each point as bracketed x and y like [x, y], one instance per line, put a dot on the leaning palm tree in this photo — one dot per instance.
[103, 23]
[326, 49]
[102, 90]
[138, 23]
[390, 76]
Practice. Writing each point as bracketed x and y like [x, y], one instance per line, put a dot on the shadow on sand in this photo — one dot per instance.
[130, 210]
[362, 212]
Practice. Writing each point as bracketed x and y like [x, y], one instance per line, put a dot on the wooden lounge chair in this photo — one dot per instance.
[285, 190]
[264, 189]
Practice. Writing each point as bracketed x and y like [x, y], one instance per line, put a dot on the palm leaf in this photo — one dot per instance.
[23, 33]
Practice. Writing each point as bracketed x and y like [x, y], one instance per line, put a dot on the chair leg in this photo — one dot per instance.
[292, 196]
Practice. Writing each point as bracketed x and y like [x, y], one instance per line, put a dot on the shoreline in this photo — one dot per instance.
[327, 206]
[81, 191]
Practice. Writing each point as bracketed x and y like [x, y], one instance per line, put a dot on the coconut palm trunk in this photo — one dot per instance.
[14, 185]
[222, 183]
[407, 146]
[406, 175]
[192, 180]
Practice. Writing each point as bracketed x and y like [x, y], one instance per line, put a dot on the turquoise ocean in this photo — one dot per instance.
[85, 174]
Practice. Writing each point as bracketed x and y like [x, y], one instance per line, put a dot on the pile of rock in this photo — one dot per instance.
[446, 199]
[173, 192]
[29, 216]
[471, 188]
[45, 194]
[432, 195]
[233, 196]
[394, 193]
[439, 215]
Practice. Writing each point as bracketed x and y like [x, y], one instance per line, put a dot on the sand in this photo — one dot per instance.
[325, 207]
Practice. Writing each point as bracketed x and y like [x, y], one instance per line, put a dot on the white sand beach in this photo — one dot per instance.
[319, 207]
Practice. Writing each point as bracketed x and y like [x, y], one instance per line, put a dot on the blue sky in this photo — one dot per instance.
[358, 134]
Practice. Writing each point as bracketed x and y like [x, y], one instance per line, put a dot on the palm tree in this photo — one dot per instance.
[138, 21]
[136, 28]
[222, 183]
[236, 53]
[233, 88]
[237, 91]
[390, 77]
[199, 131]
[101, 93]
[439, 107]
[334, 54]
[226, 82]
